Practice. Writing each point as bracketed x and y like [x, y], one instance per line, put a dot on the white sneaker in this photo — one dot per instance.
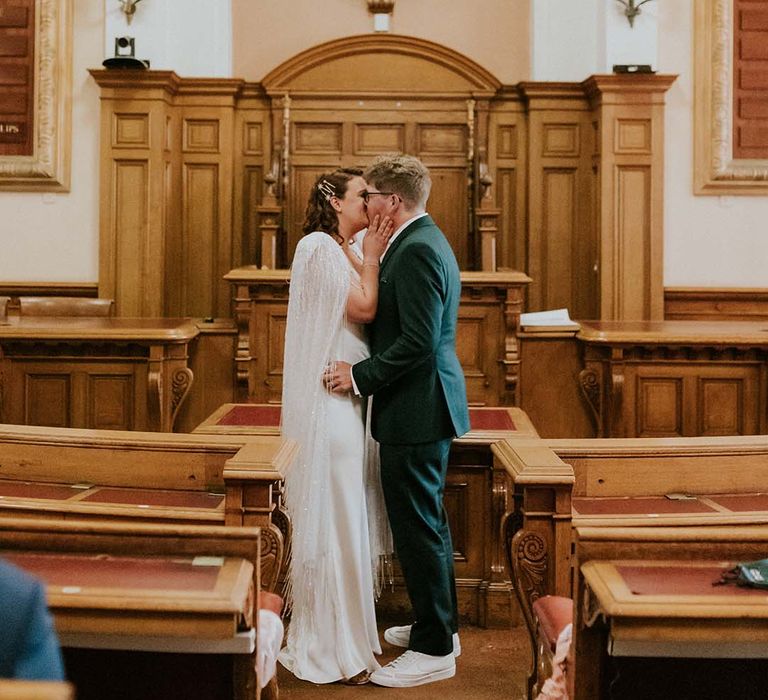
[414, 668]
[401, 637]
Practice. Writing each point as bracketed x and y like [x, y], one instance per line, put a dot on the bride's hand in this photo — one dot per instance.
[377, 237]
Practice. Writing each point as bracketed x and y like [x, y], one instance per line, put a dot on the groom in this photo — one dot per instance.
[419, 406]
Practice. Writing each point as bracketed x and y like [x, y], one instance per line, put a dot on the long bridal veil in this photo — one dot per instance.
[320, 281]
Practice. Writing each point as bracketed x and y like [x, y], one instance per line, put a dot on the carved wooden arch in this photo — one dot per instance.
[467, 75]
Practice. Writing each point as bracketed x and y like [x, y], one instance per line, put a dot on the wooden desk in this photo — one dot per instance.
[61, 473]
[146, 603]
[130, 591]
[645, 610]
[676, 378]
[671, 609]
[561, 484]
[475, 500]
[486, 423]
[105, 373]
[489, 316]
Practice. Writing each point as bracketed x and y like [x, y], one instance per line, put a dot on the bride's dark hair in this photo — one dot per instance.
[320, 215]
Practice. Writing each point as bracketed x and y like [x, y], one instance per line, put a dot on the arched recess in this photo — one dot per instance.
[342, 102]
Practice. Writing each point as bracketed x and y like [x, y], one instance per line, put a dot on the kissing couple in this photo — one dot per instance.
[373, 393]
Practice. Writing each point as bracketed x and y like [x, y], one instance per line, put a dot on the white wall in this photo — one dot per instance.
[708, 241]
[192, 38]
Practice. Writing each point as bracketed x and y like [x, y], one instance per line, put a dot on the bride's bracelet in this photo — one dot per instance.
[370, 263]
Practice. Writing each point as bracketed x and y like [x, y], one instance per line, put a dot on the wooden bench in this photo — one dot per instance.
[647, 594]
[65, 306]
[560, 484]
[162, 610]
[475, 500]
[642, 592]
[149, 477]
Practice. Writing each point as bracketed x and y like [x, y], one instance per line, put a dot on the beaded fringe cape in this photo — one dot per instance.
[319, 287]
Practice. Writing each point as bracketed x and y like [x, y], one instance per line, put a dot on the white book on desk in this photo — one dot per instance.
[553, 321]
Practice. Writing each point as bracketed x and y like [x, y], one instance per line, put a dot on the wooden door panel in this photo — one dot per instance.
[111, 401]
[477, 337]
[301, 185]
[685, 400]
[466, 492]
[448, 207]
[372, 139]
[353, 136]
[727, 402]
[659, 407]
[47, 398]
[269, 322]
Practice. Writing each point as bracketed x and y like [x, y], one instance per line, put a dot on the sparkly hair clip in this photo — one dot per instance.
[326, 188]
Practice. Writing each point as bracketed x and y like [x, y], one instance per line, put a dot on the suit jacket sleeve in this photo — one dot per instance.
[39, 657]
[420, 289]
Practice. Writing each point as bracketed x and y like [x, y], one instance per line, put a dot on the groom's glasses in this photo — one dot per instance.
[366, 194]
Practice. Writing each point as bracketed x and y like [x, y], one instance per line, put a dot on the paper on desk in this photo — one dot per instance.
[555, 318]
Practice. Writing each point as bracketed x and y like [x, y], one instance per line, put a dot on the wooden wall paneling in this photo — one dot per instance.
[507, 162]
[679, 400]
[133, 196]
[559, 214]
[65, 394]
[710, 303]
[441, 141]
[489, 317]
[252, 161]
[208, 245]
[211, 359]
[173, 261]
[477, 337]
[629, 112]
[166, 220]
[550, 364]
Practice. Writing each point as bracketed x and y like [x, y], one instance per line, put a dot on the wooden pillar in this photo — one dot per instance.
[628, 161]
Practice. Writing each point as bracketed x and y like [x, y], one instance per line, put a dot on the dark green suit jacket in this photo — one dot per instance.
[417, 383]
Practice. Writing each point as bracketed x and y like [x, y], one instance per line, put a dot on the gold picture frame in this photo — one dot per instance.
[48, 168]
[716, 171]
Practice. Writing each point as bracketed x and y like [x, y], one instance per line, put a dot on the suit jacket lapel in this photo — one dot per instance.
[422, 221]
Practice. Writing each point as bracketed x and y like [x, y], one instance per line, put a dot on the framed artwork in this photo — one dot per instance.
[35, 94]
[730, 97]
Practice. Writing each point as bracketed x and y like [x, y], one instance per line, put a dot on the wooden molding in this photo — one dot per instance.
[707, 304]
[49, 166]
[715, 169]
[49, 289]
[283, 78]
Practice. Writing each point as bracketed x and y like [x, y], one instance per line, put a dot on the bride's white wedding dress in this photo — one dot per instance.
[335, 551]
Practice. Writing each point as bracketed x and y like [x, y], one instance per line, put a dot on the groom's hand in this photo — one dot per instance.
[338, 377]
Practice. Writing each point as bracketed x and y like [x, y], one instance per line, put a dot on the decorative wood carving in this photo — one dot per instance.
[591, 388]
[527, 557]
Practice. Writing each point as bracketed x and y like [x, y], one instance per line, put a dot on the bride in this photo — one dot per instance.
[333, 493]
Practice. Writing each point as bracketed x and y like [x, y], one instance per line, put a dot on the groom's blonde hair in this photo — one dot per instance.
[404, 175]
